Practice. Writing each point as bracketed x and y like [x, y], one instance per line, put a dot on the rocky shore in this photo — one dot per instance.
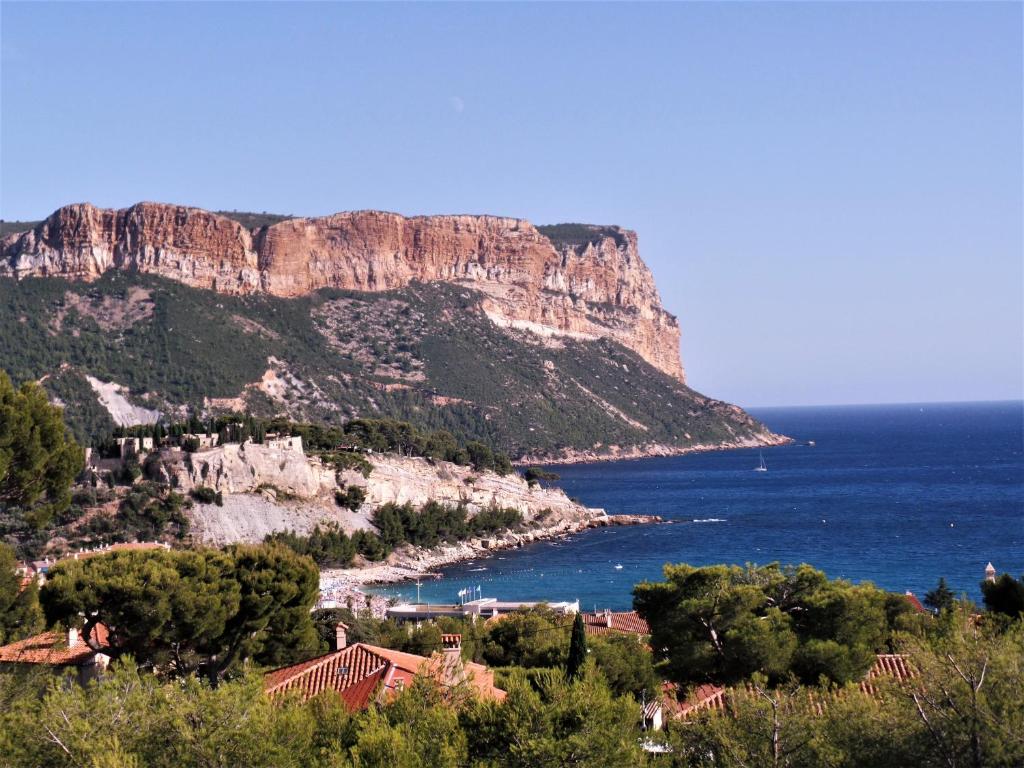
[649, 450]
[341, 585]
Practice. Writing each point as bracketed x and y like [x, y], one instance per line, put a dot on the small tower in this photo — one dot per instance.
[990, 572]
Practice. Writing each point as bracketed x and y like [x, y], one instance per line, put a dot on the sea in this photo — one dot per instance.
[896, 495]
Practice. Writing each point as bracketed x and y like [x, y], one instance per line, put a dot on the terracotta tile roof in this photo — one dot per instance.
[50, 648]
[702, 697]
[620, 621]
[358, 696]
[912, 599]
[333, 671]
[358, 671]
[892, 666]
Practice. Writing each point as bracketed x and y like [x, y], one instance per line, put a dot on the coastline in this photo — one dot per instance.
[649, 451]
[340, 587]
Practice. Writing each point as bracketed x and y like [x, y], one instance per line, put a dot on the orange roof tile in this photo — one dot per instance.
[915, 603]
[333, 671]
[51, 648]
[357, 671]
[621, 621]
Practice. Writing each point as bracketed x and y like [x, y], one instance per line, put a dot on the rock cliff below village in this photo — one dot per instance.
[267, 488]
[589, 286]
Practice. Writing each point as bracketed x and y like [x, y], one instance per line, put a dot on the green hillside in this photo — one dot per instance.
[426, 354]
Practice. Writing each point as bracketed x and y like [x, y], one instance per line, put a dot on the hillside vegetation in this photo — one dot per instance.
[425, 354]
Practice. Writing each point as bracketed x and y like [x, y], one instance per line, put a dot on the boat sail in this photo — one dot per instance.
[762, 467]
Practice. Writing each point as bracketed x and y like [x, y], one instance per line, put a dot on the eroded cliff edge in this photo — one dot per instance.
[592, 287]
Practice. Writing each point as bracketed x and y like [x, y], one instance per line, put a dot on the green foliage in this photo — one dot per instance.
[335, 343]
[20, 614]
[434, 523]
[329, 547]
[535, 638]
[206, 495]
[962, 708]
[254, 220]
[724, 623]
[11, 227]
[941, 598]
[577, 649]
[577, 235]
[351, 497]
[548, 721]
[1005, 595]
[148, 512]
[533, 476]
[627, 665]
[196, 610]
[396, 524]
[38, 458]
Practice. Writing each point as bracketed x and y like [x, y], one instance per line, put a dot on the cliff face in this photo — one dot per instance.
[303, 491]
[596, 289]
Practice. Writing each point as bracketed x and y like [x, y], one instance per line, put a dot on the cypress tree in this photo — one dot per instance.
[577, 649]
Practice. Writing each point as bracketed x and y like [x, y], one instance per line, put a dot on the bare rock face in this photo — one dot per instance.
[401, 480]
[599, 289]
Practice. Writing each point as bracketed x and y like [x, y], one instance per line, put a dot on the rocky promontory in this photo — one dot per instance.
[589, 287]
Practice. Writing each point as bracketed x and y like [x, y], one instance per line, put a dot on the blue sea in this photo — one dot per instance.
[898, 495]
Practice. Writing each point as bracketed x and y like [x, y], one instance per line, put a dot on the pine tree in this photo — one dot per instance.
[941, 598]
[577, 649]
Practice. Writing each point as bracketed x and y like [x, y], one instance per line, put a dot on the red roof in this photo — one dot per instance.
[603, 622]
[912, 599]
[360, 670]
[331, 672]
[712, 697]
[51, 648]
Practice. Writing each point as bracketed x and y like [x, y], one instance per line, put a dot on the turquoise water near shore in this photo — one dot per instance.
[897, 495]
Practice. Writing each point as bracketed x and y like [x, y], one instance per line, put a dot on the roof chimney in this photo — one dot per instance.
[990, 572]
[451, 644]
[340, 636]
[608, 618]
[73, 637]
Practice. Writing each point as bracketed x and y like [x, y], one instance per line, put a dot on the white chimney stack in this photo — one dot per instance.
[608, 618]
[73, 637]
[340, 636]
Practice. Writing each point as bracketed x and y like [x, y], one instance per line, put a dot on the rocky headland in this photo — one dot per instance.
[589, 288]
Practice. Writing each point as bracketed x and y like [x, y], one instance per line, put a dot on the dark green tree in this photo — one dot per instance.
[20, 614]
[577, 649]
[941, 598]
[1004, 595]
[38, 457]
[723, 623]
[185, 611]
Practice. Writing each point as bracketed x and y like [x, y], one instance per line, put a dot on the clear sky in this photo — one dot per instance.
[830, 195]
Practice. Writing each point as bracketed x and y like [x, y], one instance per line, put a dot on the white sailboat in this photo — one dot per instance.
[762, 467]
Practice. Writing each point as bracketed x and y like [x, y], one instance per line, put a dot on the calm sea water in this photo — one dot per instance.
[897, 495]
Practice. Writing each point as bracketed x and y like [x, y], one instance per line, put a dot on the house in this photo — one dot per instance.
[59, 650]
[914, 602]
[133, 446]
[285, 443]
[363, 674]
[200, 441]
[607, 622]
[710, 697]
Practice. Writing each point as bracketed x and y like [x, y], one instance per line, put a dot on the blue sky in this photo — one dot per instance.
[830, 195]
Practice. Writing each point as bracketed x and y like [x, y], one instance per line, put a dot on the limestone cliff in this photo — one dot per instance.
[267, 489]
[593, 289]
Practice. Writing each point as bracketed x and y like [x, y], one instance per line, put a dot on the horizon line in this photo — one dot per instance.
[993, 401]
